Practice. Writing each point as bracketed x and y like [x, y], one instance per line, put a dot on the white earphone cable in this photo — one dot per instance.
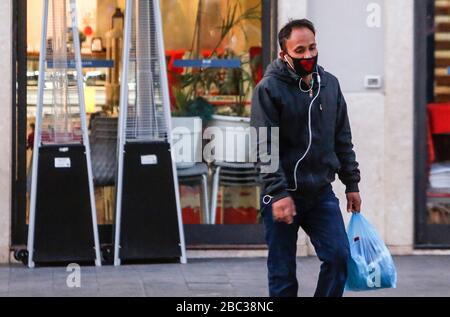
[310, 138]
[267, 198]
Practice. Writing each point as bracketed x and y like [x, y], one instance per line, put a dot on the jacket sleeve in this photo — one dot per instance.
[349, 173]
[264, 114]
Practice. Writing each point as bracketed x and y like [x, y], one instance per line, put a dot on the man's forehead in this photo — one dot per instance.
[301, 37]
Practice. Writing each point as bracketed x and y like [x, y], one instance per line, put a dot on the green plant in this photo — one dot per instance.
[238, 82]
[197, 107]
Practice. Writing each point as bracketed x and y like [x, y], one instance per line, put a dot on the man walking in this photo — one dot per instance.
[306, 103]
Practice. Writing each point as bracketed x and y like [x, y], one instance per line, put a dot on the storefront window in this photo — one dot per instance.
[214, 58]
[214, 53]
[438, 111]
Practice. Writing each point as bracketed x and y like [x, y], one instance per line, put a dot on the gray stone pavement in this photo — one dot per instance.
[235, 277]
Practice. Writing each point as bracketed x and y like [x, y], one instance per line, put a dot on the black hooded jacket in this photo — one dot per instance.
[278, 102]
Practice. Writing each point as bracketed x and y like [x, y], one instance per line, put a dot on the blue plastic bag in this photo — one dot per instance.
[371, 266]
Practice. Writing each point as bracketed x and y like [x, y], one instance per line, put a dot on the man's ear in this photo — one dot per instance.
[282, 55]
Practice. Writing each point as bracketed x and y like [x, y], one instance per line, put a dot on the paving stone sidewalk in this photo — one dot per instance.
[233, 277]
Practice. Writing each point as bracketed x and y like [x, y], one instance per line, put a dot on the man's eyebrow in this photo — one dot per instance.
[301, 46]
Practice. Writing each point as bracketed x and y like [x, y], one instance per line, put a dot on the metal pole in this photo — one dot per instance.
[76, 42]
[166, 103]
[122, 126]
[37, 134]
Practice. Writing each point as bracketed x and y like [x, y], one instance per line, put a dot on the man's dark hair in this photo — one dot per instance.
[285, 32]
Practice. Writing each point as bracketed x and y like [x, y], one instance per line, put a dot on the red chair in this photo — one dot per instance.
[173, 72]
[439, 117]
[438, 123]
[256, 61]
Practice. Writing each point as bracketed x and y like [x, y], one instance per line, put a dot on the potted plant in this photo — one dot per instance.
[234, 120]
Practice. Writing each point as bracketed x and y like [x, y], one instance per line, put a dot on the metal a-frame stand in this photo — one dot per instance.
[63, 221]
[148, 223]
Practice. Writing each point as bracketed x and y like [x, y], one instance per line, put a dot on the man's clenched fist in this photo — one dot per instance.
[283, 210]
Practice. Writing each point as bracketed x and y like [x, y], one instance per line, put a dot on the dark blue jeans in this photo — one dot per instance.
[321, 219]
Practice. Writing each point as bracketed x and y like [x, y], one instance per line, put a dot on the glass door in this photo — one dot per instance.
[432, 124]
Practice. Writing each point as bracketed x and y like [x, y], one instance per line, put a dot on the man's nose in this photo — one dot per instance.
[311, 53]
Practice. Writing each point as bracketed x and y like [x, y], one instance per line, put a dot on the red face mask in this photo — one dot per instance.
[304, 66]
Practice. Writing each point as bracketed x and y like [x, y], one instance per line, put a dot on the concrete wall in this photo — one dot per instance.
[5, 128]
[350, 41]
[382, 122]
[399, 125]
[291, 9]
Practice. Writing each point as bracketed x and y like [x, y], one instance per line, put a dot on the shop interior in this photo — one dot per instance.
[195, 31]
[438, 116]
